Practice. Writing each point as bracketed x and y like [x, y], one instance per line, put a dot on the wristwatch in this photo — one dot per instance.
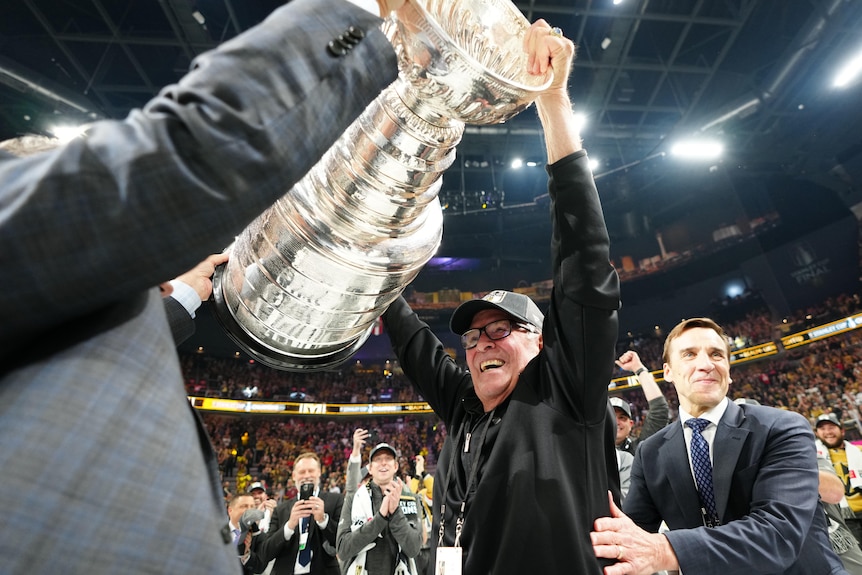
[640, 370]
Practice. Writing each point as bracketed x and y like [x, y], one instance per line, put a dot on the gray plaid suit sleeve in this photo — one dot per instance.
[104, 468]
[140, 201]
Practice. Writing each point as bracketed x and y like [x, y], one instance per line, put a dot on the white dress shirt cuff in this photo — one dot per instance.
[186, 295]
[368, 5]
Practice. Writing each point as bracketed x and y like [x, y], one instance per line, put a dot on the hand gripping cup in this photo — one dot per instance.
[308, 278]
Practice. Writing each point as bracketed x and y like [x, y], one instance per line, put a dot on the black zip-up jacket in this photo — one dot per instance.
[544, 465]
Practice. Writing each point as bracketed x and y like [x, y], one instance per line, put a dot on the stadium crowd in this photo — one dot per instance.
[823, 376]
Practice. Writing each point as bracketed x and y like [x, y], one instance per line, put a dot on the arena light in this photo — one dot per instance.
[849, 72]
[517, 164]
[594, 164]
[580, 121]
[66, 133]
[697, 149]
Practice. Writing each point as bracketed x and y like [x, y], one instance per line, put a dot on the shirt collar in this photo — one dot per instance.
[714, 415]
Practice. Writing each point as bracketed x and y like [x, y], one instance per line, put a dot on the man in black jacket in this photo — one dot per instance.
[526, 464]
[301, 535]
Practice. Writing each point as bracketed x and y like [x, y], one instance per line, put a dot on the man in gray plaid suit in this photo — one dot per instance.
[100, 446]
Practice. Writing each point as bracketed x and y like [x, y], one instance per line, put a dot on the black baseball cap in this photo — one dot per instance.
[516, 305]
[622, 404]
[827, 418]
[382, 447]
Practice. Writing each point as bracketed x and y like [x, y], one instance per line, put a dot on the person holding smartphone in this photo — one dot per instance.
[302, 530]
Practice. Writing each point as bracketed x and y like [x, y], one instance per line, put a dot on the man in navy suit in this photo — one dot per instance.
[764, 478]
[105, 468]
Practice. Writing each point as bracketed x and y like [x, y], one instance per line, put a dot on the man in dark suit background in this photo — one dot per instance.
[302, 524]
[762, 483]
[105, 468]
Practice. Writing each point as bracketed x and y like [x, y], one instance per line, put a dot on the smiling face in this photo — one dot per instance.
[697, 362]
[259, 496]
[624, 425]
[306, 469]
[830, 434]
[383, 467]
[495, 365]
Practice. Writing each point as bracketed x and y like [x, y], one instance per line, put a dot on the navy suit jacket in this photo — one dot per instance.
[105, 470]
[766, 491]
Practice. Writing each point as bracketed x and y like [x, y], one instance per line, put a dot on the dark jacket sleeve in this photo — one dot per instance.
[424, 359]
[581, 325]
[272, 544]
[656, 419]
[182, 324]
[333, 504]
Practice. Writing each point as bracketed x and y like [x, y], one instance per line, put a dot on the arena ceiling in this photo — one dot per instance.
[755, 74]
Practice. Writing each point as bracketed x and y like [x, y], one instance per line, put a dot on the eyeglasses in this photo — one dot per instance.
[494, 330]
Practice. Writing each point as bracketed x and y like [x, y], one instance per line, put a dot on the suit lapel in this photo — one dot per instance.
[674, 457]
[729, 440]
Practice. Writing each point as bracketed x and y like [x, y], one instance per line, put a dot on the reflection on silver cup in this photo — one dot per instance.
[309, 277]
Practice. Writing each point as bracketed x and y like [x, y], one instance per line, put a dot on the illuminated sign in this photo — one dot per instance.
[296, 408]
[822, 331]
[754, 352]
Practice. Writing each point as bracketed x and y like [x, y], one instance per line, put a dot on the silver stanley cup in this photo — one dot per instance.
[307, 279]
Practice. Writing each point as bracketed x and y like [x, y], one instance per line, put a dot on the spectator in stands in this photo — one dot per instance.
[266, 505]
[302, 531]
[658, 414]
[737, 516]
[241, 537]
[846, 458]
[354, 474]
[90, 379]
[536, 386]
[262, 502]
[380, 528]
[422, 484]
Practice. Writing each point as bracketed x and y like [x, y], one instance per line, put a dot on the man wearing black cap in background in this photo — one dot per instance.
[379, 532]
[846, 458]
[525, 468]
[266, 506]
[657, 416]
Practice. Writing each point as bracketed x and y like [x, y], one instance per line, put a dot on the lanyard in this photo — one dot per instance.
[471, 477]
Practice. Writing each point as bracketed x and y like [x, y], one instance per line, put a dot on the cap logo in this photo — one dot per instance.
[495, 296]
